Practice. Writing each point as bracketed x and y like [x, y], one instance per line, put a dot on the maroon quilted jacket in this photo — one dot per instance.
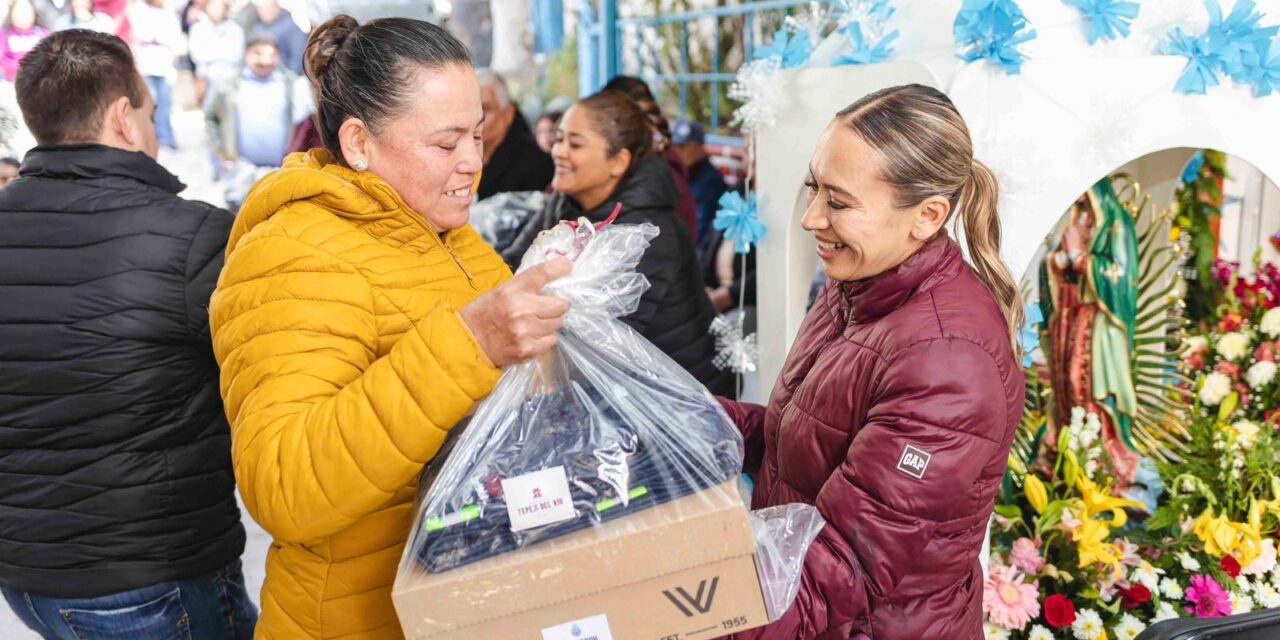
[893, 414]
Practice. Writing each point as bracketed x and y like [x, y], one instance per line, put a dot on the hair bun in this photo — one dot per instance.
[325, 43]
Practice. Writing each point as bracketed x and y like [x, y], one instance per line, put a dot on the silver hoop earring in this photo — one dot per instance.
[359, 165]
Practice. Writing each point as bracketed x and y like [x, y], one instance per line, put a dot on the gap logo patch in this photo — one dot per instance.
[914, 462]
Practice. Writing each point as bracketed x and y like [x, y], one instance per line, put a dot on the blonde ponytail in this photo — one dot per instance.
[978, 208]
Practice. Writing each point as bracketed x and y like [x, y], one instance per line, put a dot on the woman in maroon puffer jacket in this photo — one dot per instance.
[898, 402]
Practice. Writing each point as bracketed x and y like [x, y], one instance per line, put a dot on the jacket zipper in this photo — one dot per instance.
[458, 261]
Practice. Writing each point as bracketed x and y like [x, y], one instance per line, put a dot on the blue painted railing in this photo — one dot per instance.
[604, 37]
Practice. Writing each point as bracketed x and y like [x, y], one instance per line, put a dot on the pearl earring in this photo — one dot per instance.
[359, 165]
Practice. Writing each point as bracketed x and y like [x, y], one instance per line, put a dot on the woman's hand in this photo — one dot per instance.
[515, 322]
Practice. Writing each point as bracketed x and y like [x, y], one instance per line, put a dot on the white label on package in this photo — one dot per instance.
[538, 499]
[596, 628]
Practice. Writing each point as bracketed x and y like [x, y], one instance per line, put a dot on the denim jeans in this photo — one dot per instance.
[211, 607]
[162, 93]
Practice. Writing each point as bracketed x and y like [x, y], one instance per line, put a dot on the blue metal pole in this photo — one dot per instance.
[684, 68]
[715, 68]
[609, 22]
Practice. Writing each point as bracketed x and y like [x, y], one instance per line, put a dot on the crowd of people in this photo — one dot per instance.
[314, 350]
[240, 61]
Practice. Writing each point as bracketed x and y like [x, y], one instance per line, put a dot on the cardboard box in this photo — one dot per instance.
[684, 570]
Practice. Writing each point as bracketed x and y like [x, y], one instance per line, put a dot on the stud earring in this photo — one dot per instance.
[359, 165]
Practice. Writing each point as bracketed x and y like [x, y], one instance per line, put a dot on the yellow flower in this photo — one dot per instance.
[1098, 501]
[1222, 537]
[1037, 495]
[1174, 234]
[1090, 541]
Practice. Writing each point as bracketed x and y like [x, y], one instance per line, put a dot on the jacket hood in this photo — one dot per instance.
[315, 178]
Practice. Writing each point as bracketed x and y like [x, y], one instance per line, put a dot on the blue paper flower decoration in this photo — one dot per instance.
[1192, 172]
[1264, 74]
[737, 219]
[1199, 74]
[1107, 18]
[1235, 39]
[1029, 336]
[849, 11]
[992, 30]
[792, 50]
[863, 51]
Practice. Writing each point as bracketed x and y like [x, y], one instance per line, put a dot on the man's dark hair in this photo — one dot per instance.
[66, 83]
[262, 39]
[11, 161]
[633, 87]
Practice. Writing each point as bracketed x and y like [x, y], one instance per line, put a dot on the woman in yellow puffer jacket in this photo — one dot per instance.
[358, 319]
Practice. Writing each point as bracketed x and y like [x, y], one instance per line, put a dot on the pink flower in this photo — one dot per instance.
[1208, 599]
[1007, 600]
[1026, 557]
[1128, 552]
[1070, 521]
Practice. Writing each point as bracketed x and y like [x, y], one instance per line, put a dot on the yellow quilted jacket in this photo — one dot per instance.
[344, 365]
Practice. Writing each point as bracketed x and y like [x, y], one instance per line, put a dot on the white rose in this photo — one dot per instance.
[1233, 346]
[1195, 344]
[1165, 612]
[1271, 323]
[1246, 434]
[1261, 374]
[1216, 388]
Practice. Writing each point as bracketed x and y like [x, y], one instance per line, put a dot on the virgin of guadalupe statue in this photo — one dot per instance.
[1089, 296]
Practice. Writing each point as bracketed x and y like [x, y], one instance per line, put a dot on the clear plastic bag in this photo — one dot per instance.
[628, 427]
[783, 535]
[499, 219]
[593, 438]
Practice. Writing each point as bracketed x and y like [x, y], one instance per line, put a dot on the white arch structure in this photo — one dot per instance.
[1048, 134]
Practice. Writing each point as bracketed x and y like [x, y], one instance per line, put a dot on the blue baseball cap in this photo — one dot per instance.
[686, 132]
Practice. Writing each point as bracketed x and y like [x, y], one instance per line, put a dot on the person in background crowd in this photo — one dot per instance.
[604, 157]
[909, 349]
[730, 276]
[687, 207]
[82, 16]
[192, 13]
[359, 319]
[512, 159]
[217, 48]
[544, 130]
[706, 183]
[252, 117]
[8, 170]
[21, 34]
[274, 21]
[157, 39]
[120, 516]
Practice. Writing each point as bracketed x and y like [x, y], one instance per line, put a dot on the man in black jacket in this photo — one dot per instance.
[117, 501]
[513, 161]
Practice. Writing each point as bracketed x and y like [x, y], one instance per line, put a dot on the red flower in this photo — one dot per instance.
[1196, 361]
[1230, 322]
[1229, 369]
[1231, 566]
[1243, 390]
[1059, 612]
[1135, 596]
